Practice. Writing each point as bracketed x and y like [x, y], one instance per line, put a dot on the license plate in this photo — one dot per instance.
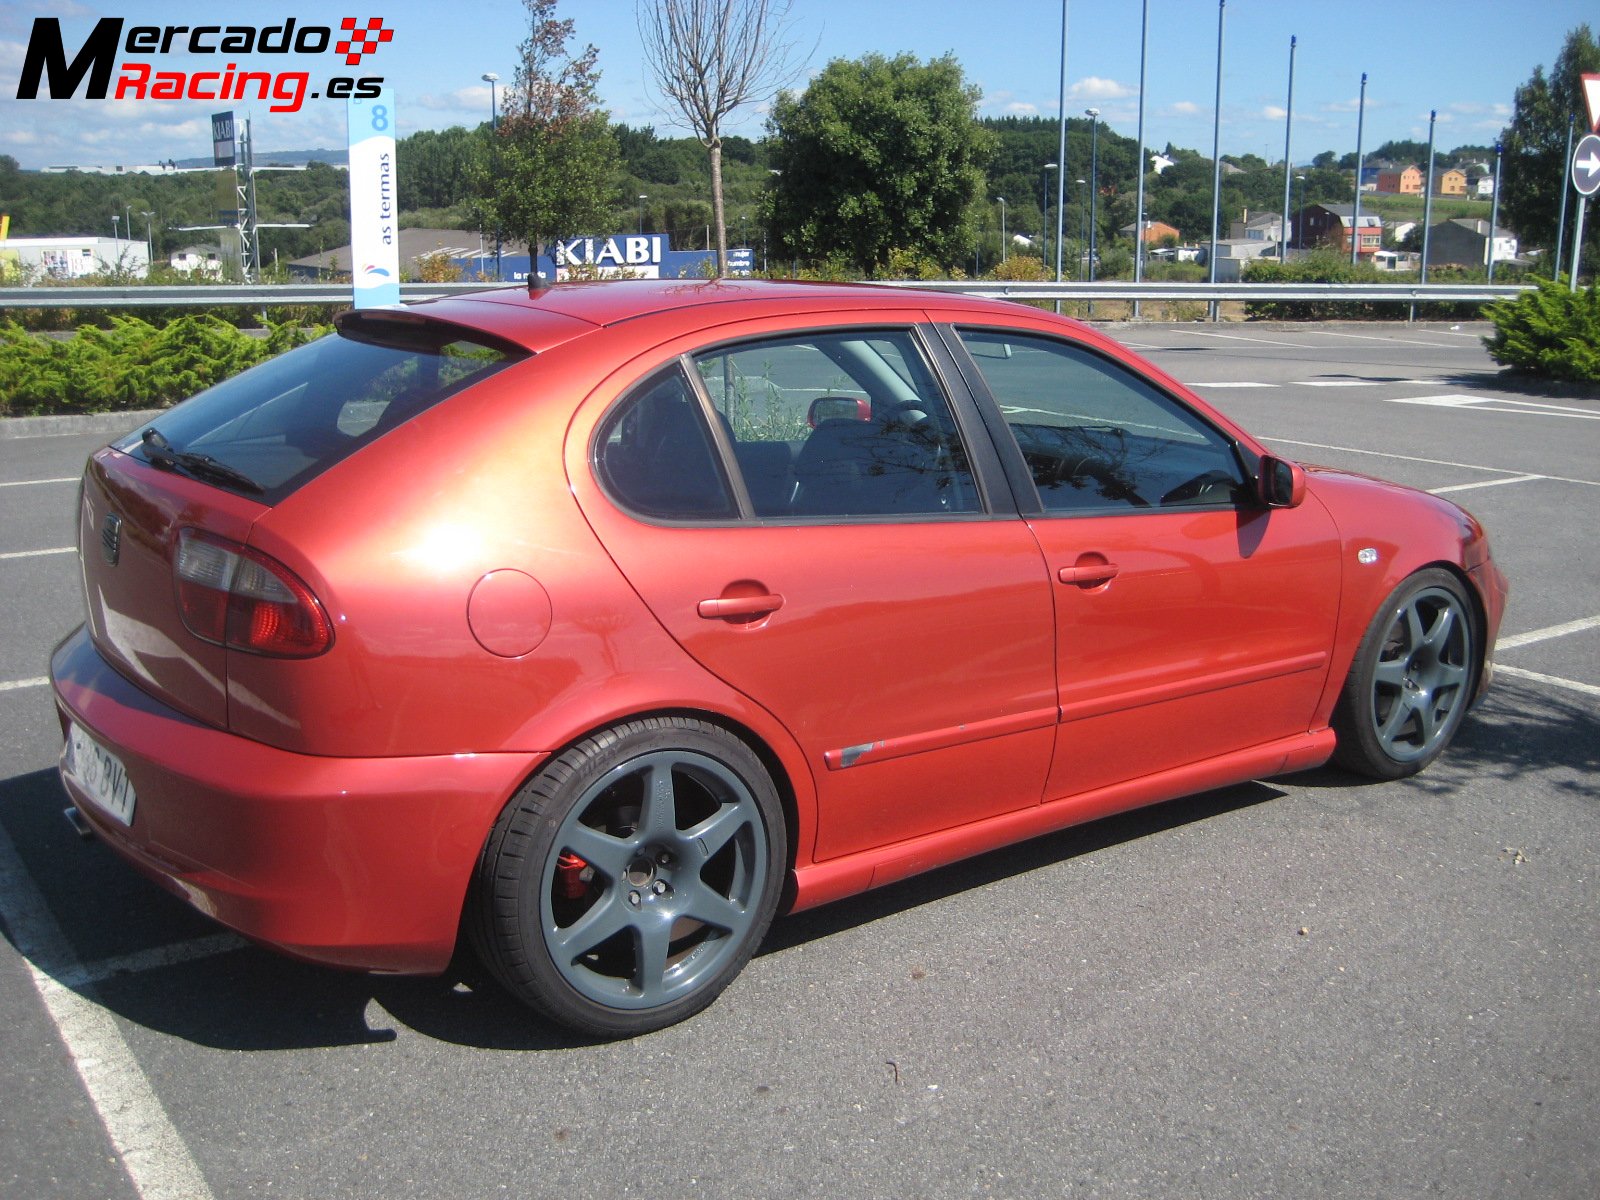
[101, 775]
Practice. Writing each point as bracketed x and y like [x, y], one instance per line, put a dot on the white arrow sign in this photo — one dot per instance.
[1586, 165]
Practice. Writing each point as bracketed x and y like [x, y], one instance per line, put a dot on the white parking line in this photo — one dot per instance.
[1234, 337]
[32, 482]
[152, 1152]
[1545, 634]
[11, 685]
[1372, 337]
[154, 959]
[1345, 382]
[1467, 487]
[1240, 384]
[1570, 685]
[1500, 404]
[39, 553]
[1436, 462]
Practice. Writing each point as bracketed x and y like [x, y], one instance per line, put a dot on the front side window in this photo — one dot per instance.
[1097, 437]
[839, 424]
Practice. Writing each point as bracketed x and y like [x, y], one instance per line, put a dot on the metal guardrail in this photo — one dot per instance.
[207, 295]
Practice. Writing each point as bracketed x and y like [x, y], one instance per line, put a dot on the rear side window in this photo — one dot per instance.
[839, 425]
[282, 423]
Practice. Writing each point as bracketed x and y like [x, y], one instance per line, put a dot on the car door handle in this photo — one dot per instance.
[732, 607]
[1100, 572]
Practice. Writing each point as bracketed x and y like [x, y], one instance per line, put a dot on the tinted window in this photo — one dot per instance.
[287, 420]
[1095, 435]
[840, 424]
[655, 454]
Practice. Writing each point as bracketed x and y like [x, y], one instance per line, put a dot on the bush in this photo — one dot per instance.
[1329, 266]
[1551, 332]
[131, 365]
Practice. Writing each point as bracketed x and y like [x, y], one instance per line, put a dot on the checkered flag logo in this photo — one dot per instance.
[364, 39]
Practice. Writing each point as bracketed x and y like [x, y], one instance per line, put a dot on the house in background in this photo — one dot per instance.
[205, 260]
[1466, 241]
[1263, 227]
[1155, 232]
[1450, 181]
[1401, 181]
[1330, 224]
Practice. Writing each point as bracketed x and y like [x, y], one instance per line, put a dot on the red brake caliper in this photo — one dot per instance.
[570, 884]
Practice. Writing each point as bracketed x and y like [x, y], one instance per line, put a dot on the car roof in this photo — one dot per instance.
[542, 318]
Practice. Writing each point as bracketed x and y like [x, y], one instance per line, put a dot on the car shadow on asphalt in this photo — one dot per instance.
[251, 999]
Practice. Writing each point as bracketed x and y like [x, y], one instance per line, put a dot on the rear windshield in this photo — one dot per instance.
[280, 424]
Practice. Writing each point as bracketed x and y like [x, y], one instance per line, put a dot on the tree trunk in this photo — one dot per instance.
[716, 207]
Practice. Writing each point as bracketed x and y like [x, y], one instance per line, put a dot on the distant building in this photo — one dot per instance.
[1160, 162]
[1466, 242]
[49, 259]
[207, 260]
[1450, 181]
[1263, 227]
[1329, 225]
[1155, 232]
[1401, 181]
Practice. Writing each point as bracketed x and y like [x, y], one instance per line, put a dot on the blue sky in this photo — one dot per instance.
[1464, 59]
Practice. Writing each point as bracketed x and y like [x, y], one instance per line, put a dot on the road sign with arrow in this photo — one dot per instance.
[1586, 165]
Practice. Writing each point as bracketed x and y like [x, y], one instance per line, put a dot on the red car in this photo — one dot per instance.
[597, 624]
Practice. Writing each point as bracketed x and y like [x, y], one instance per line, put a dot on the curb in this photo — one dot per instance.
[13, 428]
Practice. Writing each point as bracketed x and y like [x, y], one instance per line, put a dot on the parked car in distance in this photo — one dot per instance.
[598, 624]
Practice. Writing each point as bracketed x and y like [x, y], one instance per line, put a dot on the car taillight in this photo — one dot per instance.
[240, 598]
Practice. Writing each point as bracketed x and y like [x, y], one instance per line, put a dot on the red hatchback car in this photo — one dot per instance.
[595, 624]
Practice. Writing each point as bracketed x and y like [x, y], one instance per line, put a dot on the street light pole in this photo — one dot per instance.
[1044, 224]
[1355, 214]
[1494, 211]
[1288, 132]
[1083, 225]
[1002, 201]
[491, 79]
[1427, 200]
[1094, 184]
[1300, 230]
[149, 240]
[642, 199]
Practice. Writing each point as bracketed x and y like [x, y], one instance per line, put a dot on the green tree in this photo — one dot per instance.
[434, 163]
[878, 154]
[551, 167]
[1534, 170]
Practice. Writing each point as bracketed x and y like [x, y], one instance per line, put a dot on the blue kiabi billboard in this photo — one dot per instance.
[633, 256]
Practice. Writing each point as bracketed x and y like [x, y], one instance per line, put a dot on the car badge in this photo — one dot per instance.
[111, 538]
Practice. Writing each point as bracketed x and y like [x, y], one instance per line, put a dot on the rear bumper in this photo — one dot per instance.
[353, 862]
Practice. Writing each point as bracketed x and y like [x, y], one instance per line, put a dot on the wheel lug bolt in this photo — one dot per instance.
[661, 888]
[633, 899]
[663, 859]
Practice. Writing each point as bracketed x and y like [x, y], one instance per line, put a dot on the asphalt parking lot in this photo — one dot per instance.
[1298, 987]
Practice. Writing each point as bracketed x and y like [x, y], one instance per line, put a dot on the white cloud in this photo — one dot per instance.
[1185, 108]
[1020, 108]
[1095, 88]
[1273, 112]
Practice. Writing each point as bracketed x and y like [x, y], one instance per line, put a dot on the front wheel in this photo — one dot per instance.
[1411, 681]
[632, 878]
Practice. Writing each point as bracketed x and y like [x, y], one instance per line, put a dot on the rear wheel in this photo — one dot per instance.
[633, 877]
[1411, 681]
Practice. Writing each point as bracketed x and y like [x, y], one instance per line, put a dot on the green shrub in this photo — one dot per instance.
[1552, 332]
[1329, 266]
[131, 365]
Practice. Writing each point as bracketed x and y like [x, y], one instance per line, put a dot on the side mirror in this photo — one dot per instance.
[1280, 483]
[827, 408]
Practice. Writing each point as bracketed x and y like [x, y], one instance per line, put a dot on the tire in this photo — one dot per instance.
[632, 878]
[1411, 681]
